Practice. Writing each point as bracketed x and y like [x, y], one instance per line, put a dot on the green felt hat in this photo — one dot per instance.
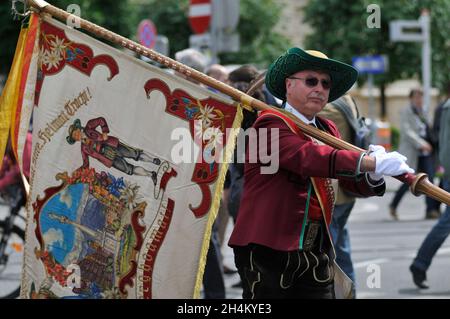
[75, 126]
[342, 75]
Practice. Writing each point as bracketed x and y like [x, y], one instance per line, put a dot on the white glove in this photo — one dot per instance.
[376, 149]
[389, 164]
[373, 151]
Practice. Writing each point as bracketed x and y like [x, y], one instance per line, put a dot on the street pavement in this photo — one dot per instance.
[392, 245]
[382, 250]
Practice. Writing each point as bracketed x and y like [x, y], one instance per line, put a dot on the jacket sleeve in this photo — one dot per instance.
[94, 123]
[301, 156]
[305, 158]
[362, 186]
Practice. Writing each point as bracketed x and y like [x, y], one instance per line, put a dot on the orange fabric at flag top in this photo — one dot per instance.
[10, 92]
[27, 53]
[13, 91]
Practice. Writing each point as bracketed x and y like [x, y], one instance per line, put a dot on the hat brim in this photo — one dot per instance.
[342, 75]
[75, 126]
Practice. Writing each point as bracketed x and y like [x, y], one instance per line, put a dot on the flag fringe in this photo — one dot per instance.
[229, 150]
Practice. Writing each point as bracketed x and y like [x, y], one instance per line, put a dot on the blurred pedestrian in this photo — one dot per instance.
[192, 58]
[436, 131]
[344, 201]
[12, 187]
[416, 143]
[441, 229]
[220, 73]
[213, 282]
[281, 240]
[240, 79]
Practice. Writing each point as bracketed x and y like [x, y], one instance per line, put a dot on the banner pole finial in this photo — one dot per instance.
[16, 13]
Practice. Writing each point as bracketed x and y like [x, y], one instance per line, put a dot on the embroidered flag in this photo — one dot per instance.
[113, 212]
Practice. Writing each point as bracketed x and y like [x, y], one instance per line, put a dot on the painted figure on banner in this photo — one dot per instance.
[109, 150]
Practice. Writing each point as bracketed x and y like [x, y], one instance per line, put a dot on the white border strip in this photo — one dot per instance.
[200, 10]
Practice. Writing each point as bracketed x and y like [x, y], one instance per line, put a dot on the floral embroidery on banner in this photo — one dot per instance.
[56, 51]
[208, 120]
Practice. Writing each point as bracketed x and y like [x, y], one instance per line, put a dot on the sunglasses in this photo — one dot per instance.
[313, 81]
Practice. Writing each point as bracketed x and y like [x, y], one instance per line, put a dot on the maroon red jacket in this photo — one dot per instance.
[94, 142]
[273, 206]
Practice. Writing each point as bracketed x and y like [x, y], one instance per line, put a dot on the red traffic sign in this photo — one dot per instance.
[147, 33]
[200, 15]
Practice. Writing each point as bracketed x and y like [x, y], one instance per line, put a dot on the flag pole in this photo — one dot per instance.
[419, 183]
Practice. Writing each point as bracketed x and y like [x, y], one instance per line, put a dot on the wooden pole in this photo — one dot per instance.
[419, 183]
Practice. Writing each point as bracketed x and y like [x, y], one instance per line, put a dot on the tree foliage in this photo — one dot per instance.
[170, 19]
[259, 43]
[114, 15]
[341, 31]
[9, 32]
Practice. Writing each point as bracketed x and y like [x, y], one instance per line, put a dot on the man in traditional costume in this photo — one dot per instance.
[281, 239]
[107, 149]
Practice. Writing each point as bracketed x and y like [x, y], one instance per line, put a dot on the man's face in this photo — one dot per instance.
[305, 97]
[417, 99]
[76, 134]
